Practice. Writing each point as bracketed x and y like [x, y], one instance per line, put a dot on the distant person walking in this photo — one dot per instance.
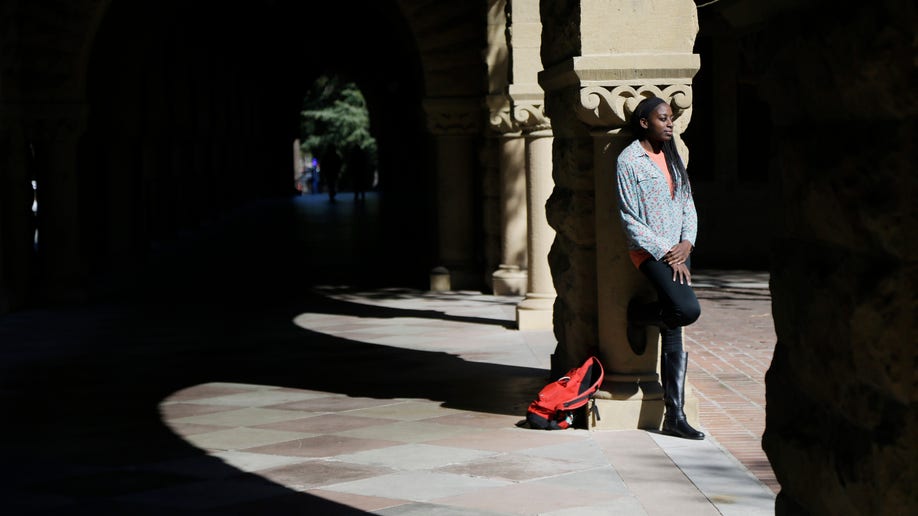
[330, 165]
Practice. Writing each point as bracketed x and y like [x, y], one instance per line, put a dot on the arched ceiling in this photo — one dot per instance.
[55, 39]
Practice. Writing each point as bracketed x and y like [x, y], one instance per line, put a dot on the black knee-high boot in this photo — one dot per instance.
[672, 376]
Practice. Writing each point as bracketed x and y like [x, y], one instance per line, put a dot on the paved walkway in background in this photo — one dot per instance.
[730, 349]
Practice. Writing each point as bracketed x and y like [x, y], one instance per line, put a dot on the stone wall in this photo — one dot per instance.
[841, 425]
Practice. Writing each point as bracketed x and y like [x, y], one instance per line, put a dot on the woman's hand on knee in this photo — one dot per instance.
[681, 273]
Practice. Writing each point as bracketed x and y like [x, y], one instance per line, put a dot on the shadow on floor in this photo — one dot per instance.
[81, 386]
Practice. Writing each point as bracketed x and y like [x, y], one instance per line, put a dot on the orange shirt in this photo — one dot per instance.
[660, 160]
[639, 255]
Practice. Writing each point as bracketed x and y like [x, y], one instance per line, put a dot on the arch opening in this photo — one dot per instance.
[193, 111]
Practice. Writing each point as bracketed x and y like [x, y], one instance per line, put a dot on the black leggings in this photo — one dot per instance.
[678, 305]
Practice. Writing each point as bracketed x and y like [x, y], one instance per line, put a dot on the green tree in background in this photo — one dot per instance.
[335, 120]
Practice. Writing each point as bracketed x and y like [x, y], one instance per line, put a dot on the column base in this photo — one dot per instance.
[627, 402]
[439, 280]
[635, 404]
[536, 312]
[509, 280]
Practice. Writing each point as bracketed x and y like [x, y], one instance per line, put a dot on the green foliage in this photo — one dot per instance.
[335, 118]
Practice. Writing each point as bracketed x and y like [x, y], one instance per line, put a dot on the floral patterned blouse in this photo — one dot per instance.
[653, 220]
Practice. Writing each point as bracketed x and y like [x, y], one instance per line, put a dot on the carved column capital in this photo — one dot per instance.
[453, 116]
[609, 87]
[530, 115]
[610, 107]
[500, 118]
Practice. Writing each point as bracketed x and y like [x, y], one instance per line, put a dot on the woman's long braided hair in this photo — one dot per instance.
[673, 159]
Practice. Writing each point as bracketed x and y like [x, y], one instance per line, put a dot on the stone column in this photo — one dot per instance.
[54, 132]
[511, 278]
[496, 57]
[16, 217]
[535, 312]
[454, 123]
[125, 229]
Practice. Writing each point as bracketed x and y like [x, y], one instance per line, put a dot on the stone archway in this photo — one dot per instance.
[172, 111]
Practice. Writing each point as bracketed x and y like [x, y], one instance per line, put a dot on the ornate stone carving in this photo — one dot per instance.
[452, 116]
[500, 119]
[530, 115]
[611, 106]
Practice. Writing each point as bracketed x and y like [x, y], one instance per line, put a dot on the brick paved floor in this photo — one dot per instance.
[730, 348]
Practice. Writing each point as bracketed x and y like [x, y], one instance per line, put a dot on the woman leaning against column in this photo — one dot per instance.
[660, 223]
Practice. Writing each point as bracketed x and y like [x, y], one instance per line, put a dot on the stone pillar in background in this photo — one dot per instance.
[53, 132]
[454, 124]
[590, 98]
[124, 227]
[510, 279]
[535, 312]
[506, 161]
[16, 217]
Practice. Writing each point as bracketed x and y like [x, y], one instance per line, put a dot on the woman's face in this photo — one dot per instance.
[659, 124]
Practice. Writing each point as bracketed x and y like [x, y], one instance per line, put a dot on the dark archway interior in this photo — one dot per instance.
[729, 140]
[193, 111]
[186, 171]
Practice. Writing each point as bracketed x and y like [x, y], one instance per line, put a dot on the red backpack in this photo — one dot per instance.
[553, 408]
